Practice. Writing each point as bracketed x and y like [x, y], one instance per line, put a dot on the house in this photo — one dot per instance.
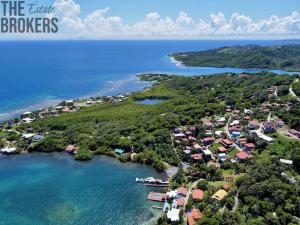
[218, 133]
[222, 157]
[193, 216]
[222, 149]
[208, 125]
[253, 125]
[247, 118]
[235, 134]
[197, 214]
[180, 202]
[208, 133]
[268, 127]
[191, 220]
[181, 191]
[197, 195]
[226, 187]
[294, 132]
[27, 136]
[242, 141]
[208, 140]
[37, 137]
[248, 111]
[70, 149]
[196, 146]
[213, 165]
[187, 152]
[249, 146]
[242, 156]
[207, 154]
[279, 123]
[8, 150]
[27, 120]
[172, 194]
[235, 128]
[235, 122]
[119, 151]
[27, 114]
[179, 135]
[196, 157]
[220, 195]
[227, 143]
[173, 215]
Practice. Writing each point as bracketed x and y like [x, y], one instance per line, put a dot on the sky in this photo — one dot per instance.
[174, 19]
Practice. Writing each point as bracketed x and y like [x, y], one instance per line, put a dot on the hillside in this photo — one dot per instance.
[285, 57]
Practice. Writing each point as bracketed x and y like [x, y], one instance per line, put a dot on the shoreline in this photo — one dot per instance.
[111, 86]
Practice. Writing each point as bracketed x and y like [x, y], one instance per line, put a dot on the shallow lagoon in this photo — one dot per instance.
[55, 189]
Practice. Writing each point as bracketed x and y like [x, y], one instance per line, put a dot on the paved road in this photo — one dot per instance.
[229, 135]
[236, 202]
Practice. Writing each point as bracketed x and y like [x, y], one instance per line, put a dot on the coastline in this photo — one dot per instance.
[110, 88]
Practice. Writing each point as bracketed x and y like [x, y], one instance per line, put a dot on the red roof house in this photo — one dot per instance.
[197, 194]
[242, 156]
[181, 191]
[196, 156]
[180, 202]
[197, 214]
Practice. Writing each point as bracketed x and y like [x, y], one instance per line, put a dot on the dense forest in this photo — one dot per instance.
[285, 57]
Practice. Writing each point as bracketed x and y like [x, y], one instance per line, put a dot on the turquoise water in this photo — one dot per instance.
[55, 189]
[35, 74]
[149, 101]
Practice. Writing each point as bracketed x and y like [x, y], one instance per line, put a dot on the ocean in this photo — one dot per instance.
[54, 189]
[35, 74]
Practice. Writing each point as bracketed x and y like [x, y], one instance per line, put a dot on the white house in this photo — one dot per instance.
[173, 215]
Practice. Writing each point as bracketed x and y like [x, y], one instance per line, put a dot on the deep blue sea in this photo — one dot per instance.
[34, 74]
[57, 190]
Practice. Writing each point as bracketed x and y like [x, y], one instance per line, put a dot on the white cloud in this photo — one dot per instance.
[98, 24]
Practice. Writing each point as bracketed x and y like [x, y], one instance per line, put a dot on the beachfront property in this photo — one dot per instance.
[70, 149]
[8, 150]
[119, 151]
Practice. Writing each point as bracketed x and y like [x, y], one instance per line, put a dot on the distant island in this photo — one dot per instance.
[283, 57]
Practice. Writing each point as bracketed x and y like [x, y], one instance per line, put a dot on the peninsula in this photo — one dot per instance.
[283, 57]
[229, 142]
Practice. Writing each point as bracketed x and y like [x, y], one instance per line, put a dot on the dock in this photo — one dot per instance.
[157, 207]
[157, 197]
[157, 185]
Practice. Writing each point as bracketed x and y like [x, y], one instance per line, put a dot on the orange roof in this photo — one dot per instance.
[198, 194]
[208, 139]
[227, 142]
[181, 190]
[196, 214]
[196, 156]
[180, 202]
[242, 155]
[191, 220]
[222, 149]
[226, 187]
